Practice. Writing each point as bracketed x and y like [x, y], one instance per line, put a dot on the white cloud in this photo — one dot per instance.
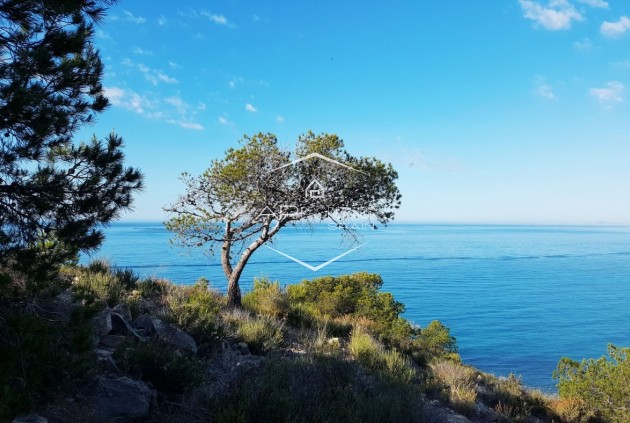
[595, 3]
[165, 78]
[250, 108]
[156, 76]
[174, 65]
[185, 124]
[162, 20]
[232, 84]
[584, 44]
[610, 94]
[223, 121]
[556, 15]
[615, 29]
[143, 52]
[217, 19]
[280, 118]
[130, 17]
[545, 91]
[127, 99]
[103, 35]
[173, 110]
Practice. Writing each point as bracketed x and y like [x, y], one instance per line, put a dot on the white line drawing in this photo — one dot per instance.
[321, 266]
[319, 156]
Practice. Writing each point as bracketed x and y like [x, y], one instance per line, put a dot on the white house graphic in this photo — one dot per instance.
[314, 190]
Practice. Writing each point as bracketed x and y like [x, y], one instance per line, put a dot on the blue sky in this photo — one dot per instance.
[510, 111]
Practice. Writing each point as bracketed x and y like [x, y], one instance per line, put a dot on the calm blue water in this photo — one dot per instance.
[517, 298]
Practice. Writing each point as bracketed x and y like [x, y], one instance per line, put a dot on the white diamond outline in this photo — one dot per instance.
[319, 267]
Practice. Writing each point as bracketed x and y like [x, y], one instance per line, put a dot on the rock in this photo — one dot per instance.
[124, 311]
[30, 418]
[112, 340]
[120, 325]
[145, 333]
[144, 321]
[120, 399]
[174, 336]
[242, 348]
[101, 325]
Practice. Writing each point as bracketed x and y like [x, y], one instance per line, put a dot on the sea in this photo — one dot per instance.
[516, 298]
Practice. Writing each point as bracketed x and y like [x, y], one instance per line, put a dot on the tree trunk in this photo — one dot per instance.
[234, 291]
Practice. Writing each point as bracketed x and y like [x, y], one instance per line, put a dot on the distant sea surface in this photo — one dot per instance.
[517, 298]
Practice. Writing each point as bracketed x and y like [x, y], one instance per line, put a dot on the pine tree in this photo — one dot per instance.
[54, 193]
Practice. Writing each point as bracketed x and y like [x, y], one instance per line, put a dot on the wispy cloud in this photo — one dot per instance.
[174, 65]
[173, 110]
[615, 29]
[130, 17]
[223, 120]
[155, 76]
[103, 35]
[280, 118]
[250, 108]
[545, 91]
[554, 16]
[584, 44]
[185, 124]
[127, 99]
[162, 20]
[142, 52]
[609, 95]
[217, 19]
[601, 4]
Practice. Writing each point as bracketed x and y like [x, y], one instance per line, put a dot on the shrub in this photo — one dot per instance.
[261, 333]
[266, 298]
[459, 383]
[167, 368]
[195, 309]
[98, 281]
[372, 355]
[320, 390]
[356, 295]
[600, 386]
[434, 341]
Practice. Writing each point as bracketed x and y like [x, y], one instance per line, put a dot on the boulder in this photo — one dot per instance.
[101, 325]
[124, 311]
[121, 326]
[112, 341]
[145, 322]
[30, 418]
[174, 336]
[120, 399]
[242, 348]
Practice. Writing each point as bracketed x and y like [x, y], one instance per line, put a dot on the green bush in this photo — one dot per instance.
[261, 333]
[195, 309]
[356, 295]
[601, 386]
[434, 341]
[167, 368]
[320, 390]
[98, 281]
[373, 356]
[266, 298]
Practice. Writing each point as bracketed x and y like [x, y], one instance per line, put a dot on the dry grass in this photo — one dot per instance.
[459, 380]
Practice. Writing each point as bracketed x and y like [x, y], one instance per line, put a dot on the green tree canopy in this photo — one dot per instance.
[54, 192]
